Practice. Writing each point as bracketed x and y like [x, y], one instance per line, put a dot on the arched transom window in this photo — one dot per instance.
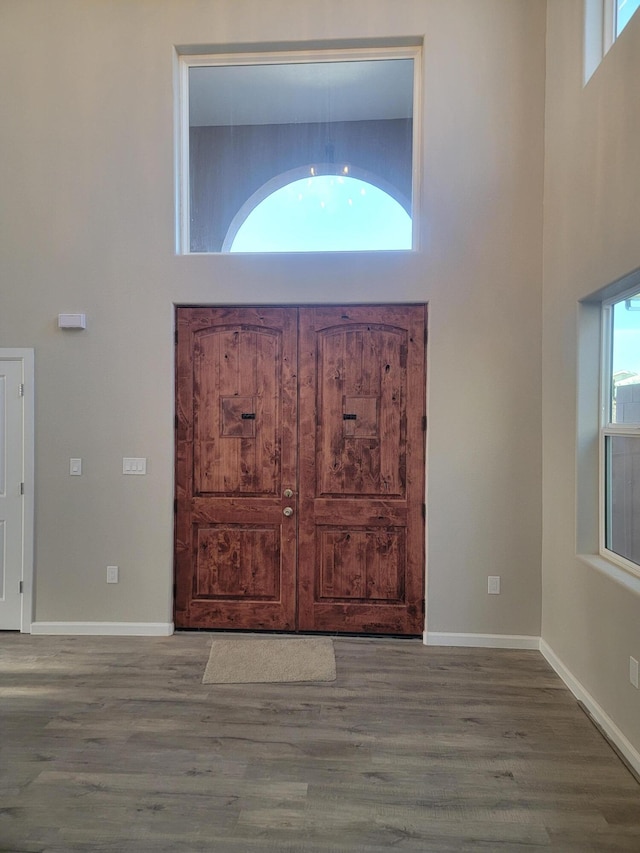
[321, 213]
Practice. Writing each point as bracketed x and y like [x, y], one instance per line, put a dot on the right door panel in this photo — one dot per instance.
[361, 463]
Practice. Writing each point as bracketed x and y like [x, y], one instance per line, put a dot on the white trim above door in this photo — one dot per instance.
[19, 392]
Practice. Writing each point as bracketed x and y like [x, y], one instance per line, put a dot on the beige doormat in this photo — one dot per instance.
[244, 660]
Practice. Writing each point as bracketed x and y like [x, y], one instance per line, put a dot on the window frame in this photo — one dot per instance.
[610, 24]
[611, 11]
[610, 429]
[186, 61]
[600, 33]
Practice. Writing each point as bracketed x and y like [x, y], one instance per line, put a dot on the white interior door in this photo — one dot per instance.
[12, 478]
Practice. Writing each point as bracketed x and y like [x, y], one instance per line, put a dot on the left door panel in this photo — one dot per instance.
[235, 457]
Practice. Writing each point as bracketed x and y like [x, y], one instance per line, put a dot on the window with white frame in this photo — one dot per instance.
[620, 432]
[316, 149]
[604, 20]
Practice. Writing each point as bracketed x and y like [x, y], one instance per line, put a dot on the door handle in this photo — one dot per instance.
[288, 511]
[288, 493]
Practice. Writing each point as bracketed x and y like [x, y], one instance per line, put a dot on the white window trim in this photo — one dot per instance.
[607, 428]
[609, 24]
[599, 31]
[187, 61]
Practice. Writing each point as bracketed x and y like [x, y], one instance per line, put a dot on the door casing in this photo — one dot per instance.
[24, 358]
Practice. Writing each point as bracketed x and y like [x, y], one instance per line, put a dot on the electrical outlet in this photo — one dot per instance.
[112, 574]
[493, 587]
[633, 671]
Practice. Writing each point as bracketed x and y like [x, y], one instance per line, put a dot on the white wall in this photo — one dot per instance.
[591, 238]
[87, 224]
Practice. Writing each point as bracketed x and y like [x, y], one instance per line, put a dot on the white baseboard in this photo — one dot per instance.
[510, 641]
[601, 717]
[489, 641]
[104, 629]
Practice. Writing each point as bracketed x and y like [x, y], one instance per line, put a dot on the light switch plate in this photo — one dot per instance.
[134, 465]
[75, 467]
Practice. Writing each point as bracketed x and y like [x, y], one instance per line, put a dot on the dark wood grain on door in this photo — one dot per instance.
[350, 557]
[235, 453]
[361, 527]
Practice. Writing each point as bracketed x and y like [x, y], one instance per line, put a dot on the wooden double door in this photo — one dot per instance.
[300, 468]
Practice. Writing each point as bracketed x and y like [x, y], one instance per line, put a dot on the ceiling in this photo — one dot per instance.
[301, 92]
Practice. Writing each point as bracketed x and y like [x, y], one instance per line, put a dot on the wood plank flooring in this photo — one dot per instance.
[113, 744]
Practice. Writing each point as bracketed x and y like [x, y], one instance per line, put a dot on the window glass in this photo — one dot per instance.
[622, 496]
[621, 431]
[325, 213]
[251, 118]
[624, 11]
[625, 361]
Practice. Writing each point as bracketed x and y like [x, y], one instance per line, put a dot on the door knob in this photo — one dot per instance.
[288, 511]
[288, 493]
